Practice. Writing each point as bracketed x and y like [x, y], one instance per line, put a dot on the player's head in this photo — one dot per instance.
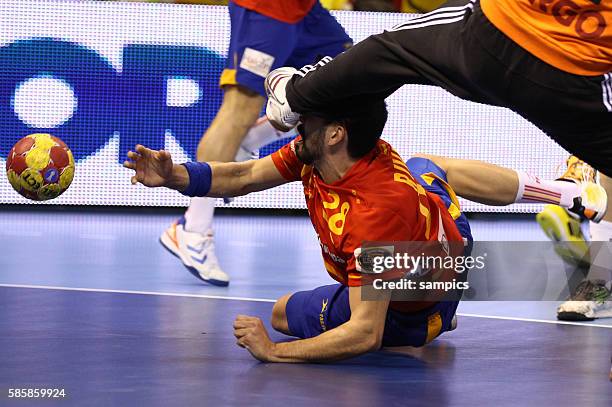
[356, 132]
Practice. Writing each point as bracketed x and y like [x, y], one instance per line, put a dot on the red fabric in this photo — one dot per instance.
[288, 11]
[370, 203]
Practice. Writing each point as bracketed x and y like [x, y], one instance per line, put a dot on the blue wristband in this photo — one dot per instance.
[200, 179]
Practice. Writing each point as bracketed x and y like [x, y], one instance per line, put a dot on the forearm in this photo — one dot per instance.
[231, 179]
[347, 340]
[225, 179]
[220, 180]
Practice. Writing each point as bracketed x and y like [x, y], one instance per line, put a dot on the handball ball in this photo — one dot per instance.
[40, 167]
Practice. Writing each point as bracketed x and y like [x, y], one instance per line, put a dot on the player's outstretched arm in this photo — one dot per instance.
[362, 333]
[234, 179]
[154, 168]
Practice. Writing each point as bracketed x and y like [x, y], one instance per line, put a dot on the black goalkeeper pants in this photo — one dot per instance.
[457, 48]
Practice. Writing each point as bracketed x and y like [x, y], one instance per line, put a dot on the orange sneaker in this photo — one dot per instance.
[578, 171]
[593, 200]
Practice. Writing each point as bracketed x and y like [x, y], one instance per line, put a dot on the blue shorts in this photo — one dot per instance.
[434, 180]
[310, 313]
[260, 44]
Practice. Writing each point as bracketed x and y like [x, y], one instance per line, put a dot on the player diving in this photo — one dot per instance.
[357, 188]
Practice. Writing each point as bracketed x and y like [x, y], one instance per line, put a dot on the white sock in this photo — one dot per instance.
[199, 215]
[535, 190]
[262, 133]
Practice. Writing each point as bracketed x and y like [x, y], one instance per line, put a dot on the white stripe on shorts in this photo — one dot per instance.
[443, 15]
[606, 86]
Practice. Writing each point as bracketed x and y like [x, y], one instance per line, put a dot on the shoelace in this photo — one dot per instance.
[589, 291]
[600, 294]
[586, 175]
[581, 290]
[208, 243]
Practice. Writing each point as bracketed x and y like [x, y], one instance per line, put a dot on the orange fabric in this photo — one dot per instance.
[572, 35]
[288, 11]
[376, 200]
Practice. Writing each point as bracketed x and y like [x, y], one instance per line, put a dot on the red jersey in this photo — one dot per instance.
[287, 11]
[376, 200]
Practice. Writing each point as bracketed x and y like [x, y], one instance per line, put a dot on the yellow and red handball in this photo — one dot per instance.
[40, 167]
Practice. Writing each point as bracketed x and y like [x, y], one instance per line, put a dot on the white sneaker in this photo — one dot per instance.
[593, 200]
[592, 203]
[196, 251]
[278, 110]
[584, 310]
[592, 300]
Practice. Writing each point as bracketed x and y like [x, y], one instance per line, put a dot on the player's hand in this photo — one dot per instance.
[251, 334]
[153, 168]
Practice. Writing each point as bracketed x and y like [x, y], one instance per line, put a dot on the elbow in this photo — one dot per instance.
[375, 342]
[371, 340]
[366, 335]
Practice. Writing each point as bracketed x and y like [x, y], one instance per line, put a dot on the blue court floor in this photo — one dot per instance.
[90, 302]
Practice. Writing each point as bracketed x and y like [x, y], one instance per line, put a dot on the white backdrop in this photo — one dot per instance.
[422, 119]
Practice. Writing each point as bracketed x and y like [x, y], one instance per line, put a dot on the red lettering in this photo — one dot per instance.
[565, 11]
[590, 24]
[544, 5]
[600, 25]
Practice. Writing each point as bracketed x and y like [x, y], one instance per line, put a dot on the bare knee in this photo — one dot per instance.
[279, 315]
[238, 112]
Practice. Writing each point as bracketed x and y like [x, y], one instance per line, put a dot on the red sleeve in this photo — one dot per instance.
[287, 163]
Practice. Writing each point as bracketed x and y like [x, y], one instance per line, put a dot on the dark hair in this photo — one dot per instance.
[364, 126]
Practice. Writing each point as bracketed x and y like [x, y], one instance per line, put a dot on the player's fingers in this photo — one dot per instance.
[239, 333]
[243, 342]
[244, 322]
[142, 150]
[243, 325]
[133, 156]
[238, 324]
[163, 155]
[239, 344]
[129, 164]
[134, 180]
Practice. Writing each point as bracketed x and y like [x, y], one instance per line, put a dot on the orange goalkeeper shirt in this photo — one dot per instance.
[377, 200]
[572, 35]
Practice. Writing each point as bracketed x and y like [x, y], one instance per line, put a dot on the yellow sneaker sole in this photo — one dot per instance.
[566, 234]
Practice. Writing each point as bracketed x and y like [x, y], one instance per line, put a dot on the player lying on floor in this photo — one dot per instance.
[357, 189]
